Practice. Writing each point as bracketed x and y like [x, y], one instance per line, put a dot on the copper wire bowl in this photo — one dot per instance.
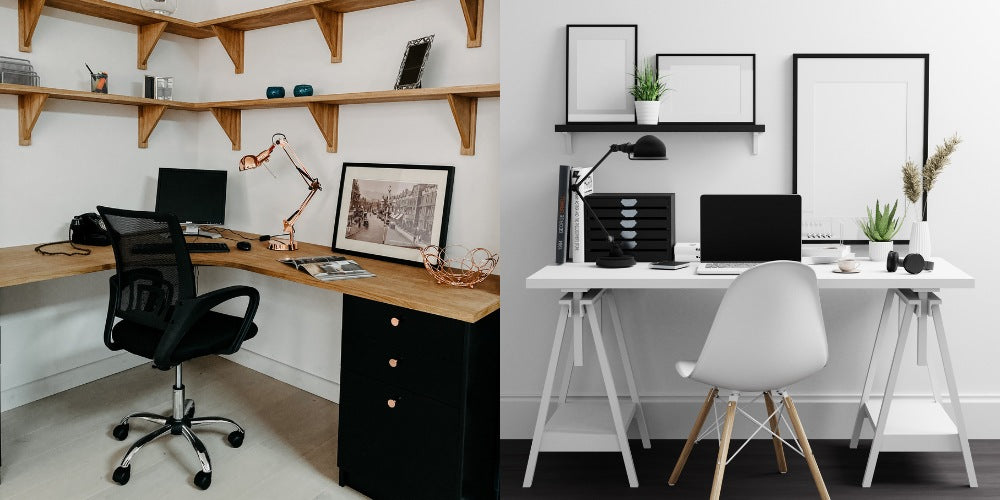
[459, 266]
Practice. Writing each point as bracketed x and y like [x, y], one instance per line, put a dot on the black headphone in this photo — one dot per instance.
[913, 263]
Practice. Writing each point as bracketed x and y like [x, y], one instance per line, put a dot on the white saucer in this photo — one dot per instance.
[838, 271]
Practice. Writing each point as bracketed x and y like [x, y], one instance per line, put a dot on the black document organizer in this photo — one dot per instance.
[642, 223]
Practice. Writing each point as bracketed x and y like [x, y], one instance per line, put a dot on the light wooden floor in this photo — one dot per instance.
[61, 447]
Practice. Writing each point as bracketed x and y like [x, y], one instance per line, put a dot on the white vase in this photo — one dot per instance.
[647, 112]
[920, 239]
[878, 251]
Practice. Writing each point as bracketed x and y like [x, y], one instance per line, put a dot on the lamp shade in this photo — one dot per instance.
[648, 147]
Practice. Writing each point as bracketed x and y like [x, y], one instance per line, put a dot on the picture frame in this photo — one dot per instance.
[600, 62]
[389, 211]
[708, 88]
[411, 68]
[868, 108]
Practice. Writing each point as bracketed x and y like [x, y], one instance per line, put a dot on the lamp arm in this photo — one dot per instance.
[590, 172]
[294, 158]
[576, 189]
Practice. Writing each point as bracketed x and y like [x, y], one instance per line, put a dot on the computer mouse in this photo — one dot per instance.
[243, 245]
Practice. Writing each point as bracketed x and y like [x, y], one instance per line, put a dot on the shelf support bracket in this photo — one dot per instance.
[756, 136]
[473, 11]
[230, 120]
[568, 142]
[149, 116]
[148, 35]
[331, 23]
[464, 110]
[28, 12]
[232, 41]
[326, 116]
[29, 107]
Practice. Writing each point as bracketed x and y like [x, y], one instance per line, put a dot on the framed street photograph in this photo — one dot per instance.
[391, 211]
[600, 61]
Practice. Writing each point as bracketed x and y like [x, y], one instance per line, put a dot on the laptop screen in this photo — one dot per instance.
[751, 227]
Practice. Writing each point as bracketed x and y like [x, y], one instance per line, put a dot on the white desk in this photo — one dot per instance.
[908, 426]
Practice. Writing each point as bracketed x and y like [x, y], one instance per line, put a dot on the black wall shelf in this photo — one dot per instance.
[661, 127]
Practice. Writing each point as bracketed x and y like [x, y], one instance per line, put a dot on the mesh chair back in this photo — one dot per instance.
[154, 268]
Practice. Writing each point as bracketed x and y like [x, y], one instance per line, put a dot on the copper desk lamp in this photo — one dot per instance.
[249, 162]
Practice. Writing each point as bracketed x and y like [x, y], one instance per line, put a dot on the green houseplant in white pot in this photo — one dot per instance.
[880, 228]
[647, 91]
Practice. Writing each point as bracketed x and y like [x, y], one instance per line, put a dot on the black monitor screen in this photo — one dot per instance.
[197, 196]
[751, 227]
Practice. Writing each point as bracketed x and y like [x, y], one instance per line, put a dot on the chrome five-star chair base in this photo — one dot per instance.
[179, 423]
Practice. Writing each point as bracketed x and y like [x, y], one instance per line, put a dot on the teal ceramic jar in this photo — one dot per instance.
[302, 90]
[275, 92]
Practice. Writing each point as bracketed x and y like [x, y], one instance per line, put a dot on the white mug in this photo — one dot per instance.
[848, 265]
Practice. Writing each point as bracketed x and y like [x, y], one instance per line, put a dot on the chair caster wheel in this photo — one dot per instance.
[203, 480]
[236, 438]
[120, 433]
[122, 474]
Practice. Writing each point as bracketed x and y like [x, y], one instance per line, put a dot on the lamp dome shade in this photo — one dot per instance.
[648, 147]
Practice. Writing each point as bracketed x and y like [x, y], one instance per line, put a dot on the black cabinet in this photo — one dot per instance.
[419, 403]
[641, 223]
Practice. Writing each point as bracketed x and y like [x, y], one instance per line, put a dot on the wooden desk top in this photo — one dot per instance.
[405, 286]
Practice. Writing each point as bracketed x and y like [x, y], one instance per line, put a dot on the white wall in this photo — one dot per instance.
[300, 326]
[665, 327]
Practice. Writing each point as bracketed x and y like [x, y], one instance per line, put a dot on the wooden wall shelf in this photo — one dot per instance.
[329, 15]
[325, 109]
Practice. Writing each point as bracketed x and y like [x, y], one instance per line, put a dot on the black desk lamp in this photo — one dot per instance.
[646, 148]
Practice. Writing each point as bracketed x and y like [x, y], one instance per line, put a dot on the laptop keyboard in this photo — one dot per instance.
[730, 265]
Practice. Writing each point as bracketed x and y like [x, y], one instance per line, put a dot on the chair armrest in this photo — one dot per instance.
[189, 311]
[113, 297]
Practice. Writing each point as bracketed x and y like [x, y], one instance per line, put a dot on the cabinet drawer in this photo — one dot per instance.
[396, 444]
[418, 351]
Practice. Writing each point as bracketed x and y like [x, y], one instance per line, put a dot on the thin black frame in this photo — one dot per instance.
[635, 58]
[795, 113]
[753, 65]
[446, 208]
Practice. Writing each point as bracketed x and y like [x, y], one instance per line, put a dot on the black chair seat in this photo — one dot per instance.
[212, 334]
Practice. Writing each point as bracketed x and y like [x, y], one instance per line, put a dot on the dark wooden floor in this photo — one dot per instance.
[752, 475]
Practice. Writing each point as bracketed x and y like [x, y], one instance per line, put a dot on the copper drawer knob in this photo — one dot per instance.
[394, 321]
[391, 403]
[393, 362]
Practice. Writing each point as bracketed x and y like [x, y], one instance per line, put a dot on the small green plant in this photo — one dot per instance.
[648, 85]
[884, 225]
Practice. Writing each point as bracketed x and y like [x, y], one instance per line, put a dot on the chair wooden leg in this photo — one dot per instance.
[806, 449]
[779, 450]
[699, 422]
[727, 432]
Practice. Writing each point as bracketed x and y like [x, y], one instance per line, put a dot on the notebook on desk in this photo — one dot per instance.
[739, 231]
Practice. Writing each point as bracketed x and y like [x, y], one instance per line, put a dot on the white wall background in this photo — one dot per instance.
[84, 154]
[664, 327]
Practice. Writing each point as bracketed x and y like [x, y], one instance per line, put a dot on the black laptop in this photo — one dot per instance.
[739, 231]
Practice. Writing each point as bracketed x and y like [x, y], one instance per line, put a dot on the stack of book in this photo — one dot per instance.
[571, 215]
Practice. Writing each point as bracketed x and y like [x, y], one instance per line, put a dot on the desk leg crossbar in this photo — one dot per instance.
[912, 425]
[587, 425]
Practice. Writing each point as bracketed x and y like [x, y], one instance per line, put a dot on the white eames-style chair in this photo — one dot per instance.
[767, 335]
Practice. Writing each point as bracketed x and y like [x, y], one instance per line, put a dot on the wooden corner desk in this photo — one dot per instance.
[420, 366]
[911, 425]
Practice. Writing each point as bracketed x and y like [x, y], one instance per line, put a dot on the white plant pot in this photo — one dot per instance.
[647, 112]
[878, 251]
[920, 239]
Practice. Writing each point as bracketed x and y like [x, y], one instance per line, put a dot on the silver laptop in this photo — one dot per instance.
[739, 231]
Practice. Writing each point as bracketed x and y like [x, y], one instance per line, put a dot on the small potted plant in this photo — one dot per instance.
[647, 91]
[881, 229]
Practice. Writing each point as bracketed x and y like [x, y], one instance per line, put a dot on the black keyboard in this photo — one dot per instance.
[156, 248]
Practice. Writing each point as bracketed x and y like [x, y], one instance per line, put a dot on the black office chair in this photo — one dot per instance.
[163, 318]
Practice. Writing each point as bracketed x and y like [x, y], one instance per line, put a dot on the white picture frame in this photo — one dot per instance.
[600, 62]
[857, 118]
[708, 88]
